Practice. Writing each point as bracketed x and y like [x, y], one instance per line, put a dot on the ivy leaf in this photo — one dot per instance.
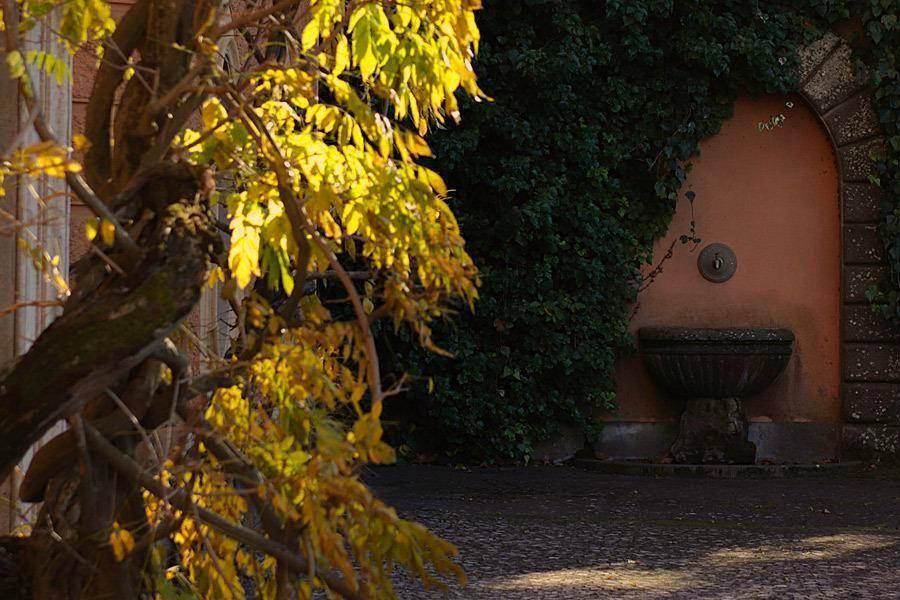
[875, 31]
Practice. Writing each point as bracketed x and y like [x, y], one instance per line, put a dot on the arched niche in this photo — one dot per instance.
[842, 399]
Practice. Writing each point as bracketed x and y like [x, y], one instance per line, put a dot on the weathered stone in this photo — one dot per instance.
[862, 324]
[872, 403]
[715, 363]
[635, 440]
[714, 431]
[713, 369]
[872, 362]
[854, 119]
[788, 442]
[862, 245]
[880, 442]
[858, 279]
[834, 80]
[814, 54]
[857, 159]
[862, 202]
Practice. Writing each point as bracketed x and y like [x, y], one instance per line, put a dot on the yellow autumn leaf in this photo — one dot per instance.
[16, 64]
[243, 257]
[107, 232]
[416, 144]
[212, 113]
[436, 182]
[341, 55]
[122, 542]
[91, 229]
[367, 62]
[352, 219]
[310, 35]
[214, 276]
[80, 142]
[330, 226]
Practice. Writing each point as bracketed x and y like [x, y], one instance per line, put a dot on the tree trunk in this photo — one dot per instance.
[102, 342]
[126, 300]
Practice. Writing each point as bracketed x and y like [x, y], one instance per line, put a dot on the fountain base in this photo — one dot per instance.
[714, 369]
[713, 430]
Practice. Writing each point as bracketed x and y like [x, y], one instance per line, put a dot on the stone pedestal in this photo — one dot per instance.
[714, 369]
[713, 431]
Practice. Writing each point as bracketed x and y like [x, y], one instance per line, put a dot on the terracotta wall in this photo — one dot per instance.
[772, 197]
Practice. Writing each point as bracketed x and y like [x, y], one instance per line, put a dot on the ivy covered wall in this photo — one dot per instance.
[564, 180]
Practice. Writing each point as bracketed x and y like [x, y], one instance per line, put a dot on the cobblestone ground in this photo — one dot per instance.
[558, 532]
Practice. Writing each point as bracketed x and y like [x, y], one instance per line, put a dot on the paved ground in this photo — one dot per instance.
[558, 532]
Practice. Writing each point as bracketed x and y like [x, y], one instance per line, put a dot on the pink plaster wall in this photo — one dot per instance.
[773, 198]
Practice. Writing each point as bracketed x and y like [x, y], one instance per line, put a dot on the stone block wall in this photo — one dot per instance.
[838, 90]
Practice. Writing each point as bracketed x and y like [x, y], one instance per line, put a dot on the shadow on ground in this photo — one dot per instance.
[558, 532]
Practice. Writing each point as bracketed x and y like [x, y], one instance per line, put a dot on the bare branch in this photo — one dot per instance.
[109, 77]
[354, 275]
[27, 304]
[86, 486]
[253, 17]
[135, 422]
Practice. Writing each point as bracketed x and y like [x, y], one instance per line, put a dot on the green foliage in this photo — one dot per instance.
[564, 181]
[882, 27]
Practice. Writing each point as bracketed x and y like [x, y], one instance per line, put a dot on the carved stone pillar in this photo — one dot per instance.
[40, 209]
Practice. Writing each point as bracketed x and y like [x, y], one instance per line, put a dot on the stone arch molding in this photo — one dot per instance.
[840, 92]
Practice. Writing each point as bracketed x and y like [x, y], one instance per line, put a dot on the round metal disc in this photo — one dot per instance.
[717, 263]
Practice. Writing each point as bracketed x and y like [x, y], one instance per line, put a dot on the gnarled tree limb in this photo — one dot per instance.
[119, 48]
[89, 349]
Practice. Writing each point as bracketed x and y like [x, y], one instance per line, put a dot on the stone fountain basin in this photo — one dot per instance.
[715, 363]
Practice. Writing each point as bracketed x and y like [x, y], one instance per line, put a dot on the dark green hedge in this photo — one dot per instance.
[561, 185]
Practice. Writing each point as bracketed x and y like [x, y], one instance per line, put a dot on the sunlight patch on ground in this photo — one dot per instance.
[588, 578]
[810, 548]
[642, 580]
